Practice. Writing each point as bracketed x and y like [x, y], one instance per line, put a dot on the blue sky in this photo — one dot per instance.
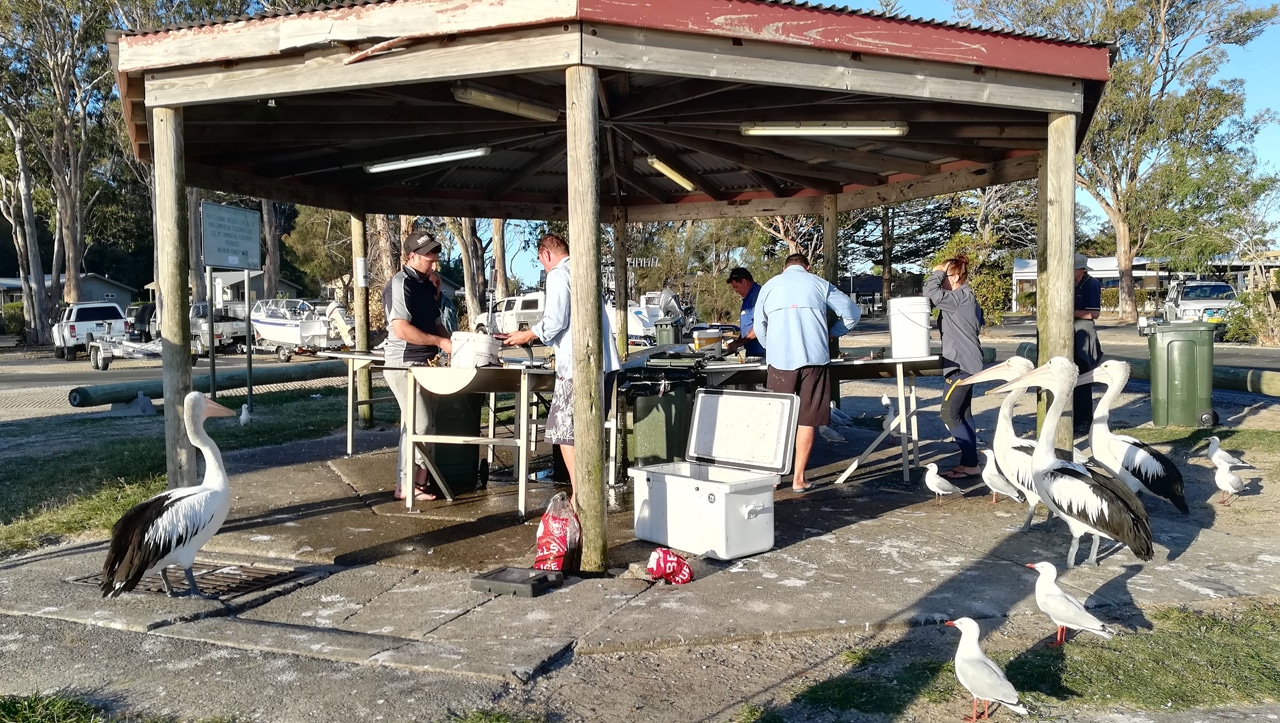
[1252, 64]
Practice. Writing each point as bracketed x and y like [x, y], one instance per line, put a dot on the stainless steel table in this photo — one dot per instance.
[522, 379]
[905, 370]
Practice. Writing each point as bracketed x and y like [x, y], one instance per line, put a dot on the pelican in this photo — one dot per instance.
[1064, 610]
[1088, 499]
[1013, 455]
[937, 483]
[1138, 465]
[170, 528]
[244, 415]
[1229, 482]
[979, 674]
[996, 482]
[1219, 456]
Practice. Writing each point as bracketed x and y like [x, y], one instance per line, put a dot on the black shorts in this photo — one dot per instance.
[812, 385]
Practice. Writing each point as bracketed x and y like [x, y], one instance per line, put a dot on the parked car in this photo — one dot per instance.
[137, 321]
[1190, 300]
[229, 329]
[84, 322]
[514, 313]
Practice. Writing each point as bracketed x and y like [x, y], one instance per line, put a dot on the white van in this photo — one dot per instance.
[514, 313]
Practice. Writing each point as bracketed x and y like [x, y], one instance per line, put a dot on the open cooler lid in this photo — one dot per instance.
[745, 430]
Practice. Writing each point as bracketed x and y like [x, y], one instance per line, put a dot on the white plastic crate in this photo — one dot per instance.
[719, 503]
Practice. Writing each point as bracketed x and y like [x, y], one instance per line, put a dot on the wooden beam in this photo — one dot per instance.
[526, 50]
[627, 174]
[770, 163]
[360, 310]
[875, 110]
[1055, 251]
[767, 183]
[234, 135]
[670, 53]
[811, 149]
[963, 150]
[343, 159]
[678, 94]
[342, 109]
[653, 147]
[174, 270]
[1002, 131]
[831, 272]
[581, 83]
[537, 163]
[248, 184]
[340, 25]
[729, 106]
[1008, 171]
[620, 289]
[426, 205]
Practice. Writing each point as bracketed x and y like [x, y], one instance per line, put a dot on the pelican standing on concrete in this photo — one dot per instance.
[980, 675]
[996, 482]
[1138, 465]
[1064, 610]
[938, 484]
[1088, 499]
[170, 528]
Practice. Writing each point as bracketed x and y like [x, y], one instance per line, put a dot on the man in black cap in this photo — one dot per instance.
[1088, 352]
[414, 336]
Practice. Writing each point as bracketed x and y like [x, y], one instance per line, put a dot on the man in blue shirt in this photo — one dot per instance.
[744, 285]
[1088, 352]
[791, 324]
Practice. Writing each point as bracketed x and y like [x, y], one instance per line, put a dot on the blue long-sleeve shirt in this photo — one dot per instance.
[791, 318]
[747, 320]
[554, 328]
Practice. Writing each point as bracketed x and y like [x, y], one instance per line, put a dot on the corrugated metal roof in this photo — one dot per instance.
[800, 4]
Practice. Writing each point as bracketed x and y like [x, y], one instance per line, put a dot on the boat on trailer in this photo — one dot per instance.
[291, 326]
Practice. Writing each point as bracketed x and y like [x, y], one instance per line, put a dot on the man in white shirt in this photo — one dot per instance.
[554, 330]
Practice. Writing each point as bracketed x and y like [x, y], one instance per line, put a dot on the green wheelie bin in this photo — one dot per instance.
[1182, 374]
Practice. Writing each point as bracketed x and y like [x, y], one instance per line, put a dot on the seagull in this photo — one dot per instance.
[839, 417]
[1229, 482]
[889, 417]
[1064, 610]
[244, 415]
[980, 675]
[937, 483]
[1087, 498]
[831, 435]
[996, 481]
[1219, 456]
[170, 528]
[1138, 465]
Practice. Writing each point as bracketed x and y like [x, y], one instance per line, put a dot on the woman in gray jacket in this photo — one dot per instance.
[948, 288]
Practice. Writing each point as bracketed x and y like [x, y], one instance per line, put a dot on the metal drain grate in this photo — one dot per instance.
[221, 581]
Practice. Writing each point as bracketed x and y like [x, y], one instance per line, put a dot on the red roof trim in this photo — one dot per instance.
[842, 31]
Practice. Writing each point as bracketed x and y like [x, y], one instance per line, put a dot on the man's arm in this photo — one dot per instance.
[850, 314]
[1092, 300]
[413, 335]
[555, 314]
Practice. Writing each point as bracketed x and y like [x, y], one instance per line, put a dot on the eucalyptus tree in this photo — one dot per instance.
[1166, 102]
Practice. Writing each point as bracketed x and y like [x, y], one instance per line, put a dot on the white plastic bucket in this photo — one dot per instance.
[705, 337]
[909, 327]
[472, 350]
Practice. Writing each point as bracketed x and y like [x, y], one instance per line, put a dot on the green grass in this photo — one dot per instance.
[46, 498]
[1188, 660]
[481, 716]
[757, 714]
[1196, 441]
[64, 709]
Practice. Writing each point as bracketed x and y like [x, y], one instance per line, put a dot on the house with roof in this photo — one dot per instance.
[93, 287]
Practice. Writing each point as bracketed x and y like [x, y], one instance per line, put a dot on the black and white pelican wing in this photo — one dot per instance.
[1104, 503]
[151, 532]
[1154, 470]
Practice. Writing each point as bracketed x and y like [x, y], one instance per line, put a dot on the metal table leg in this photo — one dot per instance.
[524, 448]
[902, 419]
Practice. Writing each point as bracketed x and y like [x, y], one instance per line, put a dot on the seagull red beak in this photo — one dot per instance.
[950, 623]
[1030, 566]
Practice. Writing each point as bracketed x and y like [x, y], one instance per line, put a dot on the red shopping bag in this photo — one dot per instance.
[667, 565]
[559, 537]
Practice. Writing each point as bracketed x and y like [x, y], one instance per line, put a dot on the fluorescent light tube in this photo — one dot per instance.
[415, 161]
[824, 128]
[671, 173]
[505, 103]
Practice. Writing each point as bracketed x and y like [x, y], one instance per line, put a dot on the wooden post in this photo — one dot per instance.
[1055, 253]
[831, 270]
[620, 282]
[360, 304]
[175, 269]
[582, 112]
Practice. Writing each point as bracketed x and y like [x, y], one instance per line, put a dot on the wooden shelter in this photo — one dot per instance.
[603, 110]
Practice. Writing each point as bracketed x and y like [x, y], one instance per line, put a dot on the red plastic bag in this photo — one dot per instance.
[559, 537]
[667, 565]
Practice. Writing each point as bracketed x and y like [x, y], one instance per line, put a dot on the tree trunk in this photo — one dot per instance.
[1124, 264]
[39, 308]
[472, 253]
[66, 224]
[195, 239]
[500, 289]
[57, 271]
[886, 256]
[271, 264]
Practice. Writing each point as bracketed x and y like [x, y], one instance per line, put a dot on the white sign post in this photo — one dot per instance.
[231, 238]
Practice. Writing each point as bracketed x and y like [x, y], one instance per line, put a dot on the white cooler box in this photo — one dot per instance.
[720, 502]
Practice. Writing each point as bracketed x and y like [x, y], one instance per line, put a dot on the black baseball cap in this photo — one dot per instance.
[421, 243]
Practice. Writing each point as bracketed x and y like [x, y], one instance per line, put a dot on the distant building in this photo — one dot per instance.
[93, 287]
[231, 286]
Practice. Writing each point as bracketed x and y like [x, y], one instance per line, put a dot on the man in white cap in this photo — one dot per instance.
[1088, 352]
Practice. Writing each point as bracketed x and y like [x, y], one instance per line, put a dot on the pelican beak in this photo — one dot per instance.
[1003, 371]
[213, 409]
[1088, 377]
[1034, 378]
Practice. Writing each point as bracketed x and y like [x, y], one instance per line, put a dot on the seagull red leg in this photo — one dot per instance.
[973, 717]
[1060, 639]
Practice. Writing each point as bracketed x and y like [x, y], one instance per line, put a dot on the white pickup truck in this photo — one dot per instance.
[85, 322]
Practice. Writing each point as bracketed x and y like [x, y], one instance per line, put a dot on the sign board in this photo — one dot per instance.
[232, 237]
